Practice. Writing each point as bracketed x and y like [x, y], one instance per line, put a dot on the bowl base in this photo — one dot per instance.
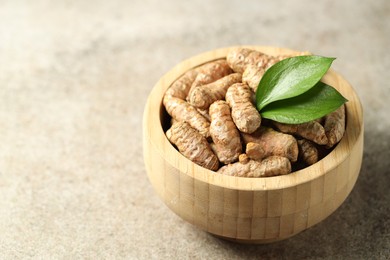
[254, 241]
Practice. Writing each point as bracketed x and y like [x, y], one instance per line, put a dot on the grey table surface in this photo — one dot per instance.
[74, 78]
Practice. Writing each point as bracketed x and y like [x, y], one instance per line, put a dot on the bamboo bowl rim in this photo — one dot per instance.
[153, 125]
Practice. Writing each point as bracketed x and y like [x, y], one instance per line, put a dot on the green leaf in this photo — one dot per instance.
[290, 78]
[315, 103]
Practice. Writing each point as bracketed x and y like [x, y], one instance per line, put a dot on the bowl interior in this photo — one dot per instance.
[354, 123]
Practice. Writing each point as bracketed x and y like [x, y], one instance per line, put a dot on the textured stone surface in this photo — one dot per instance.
[74, 78]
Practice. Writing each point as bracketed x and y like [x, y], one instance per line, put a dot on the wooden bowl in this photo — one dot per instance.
[254, 210]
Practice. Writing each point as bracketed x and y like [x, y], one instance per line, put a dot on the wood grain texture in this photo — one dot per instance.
[254, 210]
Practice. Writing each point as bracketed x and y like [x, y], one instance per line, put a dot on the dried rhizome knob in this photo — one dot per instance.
[245, 167]
[227, 144]
[192, 145]
[244, 114]
[203, 96]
